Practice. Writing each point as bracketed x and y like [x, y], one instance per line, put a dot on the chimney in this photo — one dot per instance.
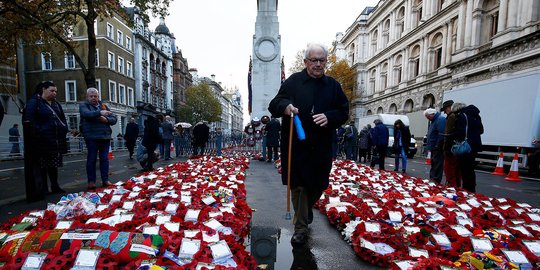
[213, 76]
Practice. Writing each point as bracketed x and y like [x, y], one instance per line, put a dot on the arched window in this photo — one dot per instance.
[490, 19]
[352, 51]
[392, 109]
[384, 76]
[380, 110]
[414, 61]
[398, 69]
[372, 77]
[374, 38]
[400, 22]
[386, 33]
[409, 105]
[369, 112]
[429, 101]
[436, 51]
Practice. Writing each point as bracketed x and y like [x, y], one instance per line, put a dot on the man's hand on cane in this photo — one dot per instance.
[290, 109]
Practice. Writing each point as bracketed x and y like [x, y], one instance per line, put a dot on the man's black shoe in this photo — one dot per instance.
[298, 238]
[310, 217]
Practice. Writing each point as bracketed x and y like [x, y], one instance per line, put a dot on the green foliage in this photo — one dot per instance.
[201, 105]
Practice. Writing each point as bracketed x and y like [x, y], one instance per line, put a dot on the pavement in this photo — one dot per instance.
[269, 242]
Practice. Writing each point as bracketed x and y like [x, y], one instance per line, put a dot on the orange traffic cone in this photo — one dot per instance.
[499, 169]
[110, 156]
[428, 158]
[513, 175]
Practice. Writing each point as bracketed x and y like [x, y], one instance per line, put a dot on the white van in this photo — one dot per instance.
[388, 120]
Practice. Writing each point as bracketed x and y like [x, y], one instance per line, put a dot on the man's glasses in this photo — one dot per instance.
[315, 60]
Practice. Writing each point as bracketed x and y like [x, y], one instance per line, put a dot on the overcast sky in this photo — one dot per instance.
[216, 36]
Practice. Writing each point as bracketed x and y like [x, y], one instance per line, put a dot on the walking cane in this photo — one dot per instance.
[288, 215]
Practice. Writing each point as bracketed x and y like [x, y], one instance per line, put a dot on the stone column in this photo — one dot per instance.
[461, 26]
[448, 44]
[405, 63]
[392, 31]
[476, 33]
[512, 13]
[408, 17]
[424, 56]
[468, 23]
[503, 11]
[444, 44]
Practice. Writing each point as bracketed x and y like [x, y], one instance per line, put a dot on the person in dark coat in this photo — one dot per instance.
[402, 140]
[350, 140]
[469, 126]
[150, 141]
[435, 142]
[379, 137]
[272, 139]
[452, 172]
[322, 107]
[132, 132]
[48, 128]
[364, 139]
[167, 136]
[14, 137]
[201, 134]
[96, 119]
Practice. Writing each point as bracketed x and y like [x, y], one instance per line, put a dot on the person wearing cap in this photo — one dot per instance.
[435, 141]
[322, 107]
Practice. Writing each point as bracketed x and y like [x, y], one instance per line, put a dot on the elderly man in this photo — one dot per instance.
[96, 121]
[435, 141]
[322, 107]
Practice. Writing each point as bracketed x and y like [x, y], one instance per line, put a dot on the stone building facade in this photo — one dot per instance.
[409, 52]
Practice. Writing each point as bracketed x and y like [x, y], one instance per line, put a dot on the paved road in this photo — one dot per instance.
[271, 232]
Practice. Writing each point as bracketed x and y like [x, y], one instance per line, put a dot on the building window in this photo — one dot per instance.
[144, 53]
[128, 43]
[71, 91]
[416, 67]
[131, 97]
[129, 69]
[73, 122]
[46, 61]
[121, 94]
[120, 37]
[110, 31]
[494, 22]
[97, 57]
[438, 58]
[112, 91]
[69, 60]
[98, 87]
[111, 60]
[398, 75]
[120, 64]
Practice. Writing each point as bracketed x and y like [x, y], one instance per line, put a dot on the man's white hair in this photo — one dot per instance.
[315, 46]
[91, 90]
[429, 111]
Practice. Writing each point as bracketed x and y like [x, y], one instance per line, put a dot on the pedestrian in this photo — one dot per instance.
[48, 130]
[272, 139]
[370, 142]
[160, 119]
[380, 137]
[351, 139]
[150, 141]
[96, 119]
[167, 136]
[14, 137]
[452, 172]
[322, 107]
[219, 140]
[468, 127]
[435, 141]
[364, 139]
[402, 141]
[177, 135]
[131, 134]
[201, 133]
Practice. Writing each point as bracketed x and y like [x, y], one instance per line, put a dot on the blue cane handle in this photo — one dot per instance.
[300, 133]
